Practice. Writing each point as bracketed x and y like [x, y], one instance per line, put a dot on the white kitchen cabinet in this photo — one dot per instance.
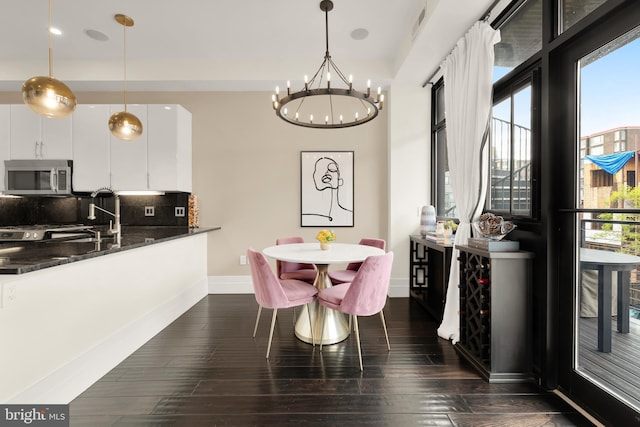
[91, 140]
[37, 137]
[129, 158]
[169, 148]
[5, 135]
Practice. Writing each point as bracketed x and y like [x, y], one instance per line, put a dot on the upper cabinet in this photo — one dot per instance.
[159, 160]
[129, 158]
[37, 137]
[169, 147]
[91, 138]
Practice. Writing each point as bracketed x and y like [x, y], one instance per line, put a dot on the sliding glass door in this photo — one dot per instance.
[607, 242]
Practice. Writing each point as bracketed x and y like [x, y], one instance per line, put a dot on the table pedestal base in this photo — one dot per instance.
[336, 327]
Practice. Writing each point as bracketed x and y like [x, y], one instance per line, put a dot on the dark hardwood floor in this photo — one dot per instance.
[205, 369]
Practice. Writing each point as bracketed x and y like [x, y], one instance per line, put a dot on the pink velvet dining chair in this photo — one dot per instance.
[366, 295]
[271, 292]
[347, 275]
[294, 270]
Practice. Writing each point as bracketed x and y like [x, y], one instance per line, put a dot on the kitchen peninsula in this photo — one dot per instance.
[70, 311]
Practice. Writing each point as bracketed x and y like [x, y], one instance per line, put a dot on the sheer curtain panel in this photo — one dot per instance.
[467, 96]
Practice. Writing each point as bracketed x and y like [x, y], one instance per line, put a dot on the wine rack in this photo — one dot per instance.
[495, 313]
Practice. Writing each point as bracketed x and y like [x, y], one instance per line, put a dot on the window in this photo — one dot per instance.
[619, 143]
[441, 187]
[510, 162]
[571, 11]
[596, 145]
[520, 38]
[600, 178]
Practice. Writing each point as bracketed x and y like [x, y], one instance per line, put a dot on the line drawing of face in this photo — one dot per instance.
[327, 174]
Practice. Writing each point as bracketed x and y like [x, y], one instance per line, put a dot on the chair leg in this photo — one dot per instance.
[324, 310]
[273, 324]
[355, 324]
[313, 337]
[384, 325]
[255, 328]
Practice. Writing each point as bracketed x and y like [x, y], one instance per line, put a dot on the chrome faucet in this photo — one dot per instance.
[115, 229]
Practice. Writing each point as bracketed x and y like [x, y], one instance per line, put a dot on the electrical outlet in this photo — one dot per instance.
[149, 211]
[243, 260]
[149, 239]
[179, 210]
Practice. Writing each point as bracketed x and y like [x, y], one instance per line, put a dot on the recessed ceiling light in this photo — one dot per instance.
[359, 34]
[97, 35]
[55, 31]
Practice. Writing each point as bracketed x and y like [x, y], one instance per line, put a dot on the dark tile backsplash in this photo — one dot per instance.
[74, 210]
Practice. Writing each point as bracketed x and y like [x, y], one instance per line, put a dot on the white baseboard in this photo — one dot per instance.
[79, 374]
[398, 288]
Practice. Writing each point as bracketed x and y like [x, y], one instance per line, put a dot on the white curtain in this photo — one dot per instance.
[467, 99]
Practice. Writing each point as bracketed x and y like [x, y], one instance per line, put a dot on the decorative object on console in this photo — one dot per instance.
[325, 237]
[332, 106]
[44, 94]
[124, 125]
[427, 220]
[494, 227]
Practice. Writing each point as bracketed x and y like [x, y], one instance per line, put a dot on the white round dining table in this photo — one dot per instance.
[336, 327]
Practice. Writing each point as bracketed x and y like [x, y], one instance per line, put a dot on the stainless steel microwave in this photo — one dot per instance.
[38, 177]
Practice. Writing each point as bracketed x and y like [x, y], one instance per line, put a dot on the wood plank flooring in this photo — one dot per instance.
[205, 369]
[619, 369]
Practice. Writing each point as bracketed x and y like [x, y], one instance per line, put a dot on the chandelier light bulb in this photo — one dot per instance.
[310, 118]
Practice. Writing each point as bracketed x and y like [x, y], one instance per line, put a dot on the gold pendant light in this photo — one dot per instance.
[124, 125]
[47, 96]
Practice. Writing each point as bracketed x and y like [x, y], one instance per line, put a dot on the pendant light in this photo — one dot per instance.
[44, 94]
[124, 125]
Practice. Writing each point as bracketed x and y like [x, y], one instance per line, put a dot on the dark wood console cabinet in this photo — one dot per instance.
[495, 313]
[429, 265]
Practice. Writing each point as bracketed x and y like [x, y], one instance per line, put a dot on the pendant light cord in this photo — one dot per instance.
[50, 44]
[124, 91]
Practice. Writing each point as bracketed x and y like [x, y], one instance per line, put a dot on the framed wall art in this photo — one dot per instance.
[326, 187]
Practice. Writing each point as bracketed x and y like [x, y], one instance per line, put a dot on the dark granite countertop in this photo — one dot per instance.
[24, 257]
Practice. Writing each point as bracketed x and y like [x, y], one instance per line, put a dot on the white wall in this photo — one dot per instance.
[409, 157]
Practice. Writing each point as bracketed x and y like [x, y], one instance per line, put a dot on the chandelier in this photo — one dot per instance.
[328, 100]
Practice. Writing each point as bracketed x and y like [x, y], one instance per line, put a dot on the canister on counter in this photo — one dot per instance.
[194, 220]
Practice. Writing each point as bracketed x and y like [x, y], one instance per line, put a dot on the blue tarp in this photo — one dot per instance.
[611, 163]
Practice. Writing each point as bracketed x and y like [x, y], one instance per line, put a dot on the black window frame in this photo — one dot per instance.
[503, 89]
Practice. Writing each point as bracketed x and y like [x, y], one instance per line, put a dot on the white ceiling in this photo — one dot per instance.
[227, 44]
